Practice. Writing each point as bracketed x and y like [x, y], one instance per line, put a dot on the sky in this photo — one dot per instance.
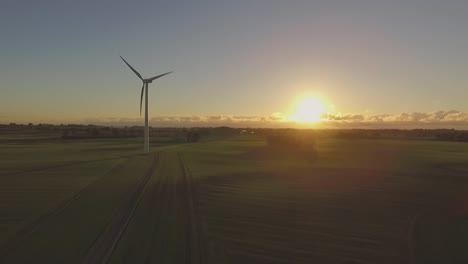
[237, 61]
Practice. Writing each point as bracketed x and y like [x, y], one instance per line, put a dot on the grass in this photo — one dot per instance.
[355, 202]
[71, 231]
[158, 231]
[25, 196]
[37, 178]
[367, 201]
[18, 157]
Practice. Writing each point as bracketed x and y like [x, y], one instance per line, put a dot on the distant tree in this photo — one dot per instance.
[115, 132]
[95, 132]
[65, 133]
[193, 136]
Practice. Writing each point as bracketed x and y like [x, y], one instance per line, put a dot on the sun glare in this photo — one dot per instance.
[309, 110]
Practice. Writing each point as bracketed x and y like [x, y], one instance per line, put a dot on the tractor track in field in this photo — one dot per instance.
[196, 248]
[174, 222]
[32, 226]
[105, 244]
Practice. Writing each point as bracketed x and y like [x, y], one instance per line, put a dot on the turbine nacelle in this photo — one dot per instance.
[145, 81]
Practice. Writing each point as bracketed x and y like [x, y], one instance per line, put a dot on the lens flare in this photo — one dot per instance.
[309, 110]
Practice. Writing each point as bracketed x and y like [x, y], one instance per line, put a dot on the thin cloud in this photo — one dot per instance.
[345, 117]
[437, 119]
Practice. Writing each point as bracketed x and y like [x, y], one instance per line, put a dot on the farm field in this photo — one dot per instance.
[358, 201]
[234, 200]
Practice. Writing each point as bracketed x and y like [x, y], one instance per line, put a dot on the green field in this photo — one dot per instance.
[233, 200]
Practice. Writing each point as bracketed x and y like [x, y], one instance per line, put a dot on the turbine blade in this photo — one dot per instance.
[135, 71]
[141, 97]
[159, 76]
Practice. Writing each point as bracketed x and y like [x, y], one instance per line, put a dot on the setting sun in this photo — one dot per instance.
[309, 109]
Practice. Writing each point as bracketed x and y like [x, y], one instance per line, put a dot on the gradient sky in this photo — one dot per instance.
[59, 60]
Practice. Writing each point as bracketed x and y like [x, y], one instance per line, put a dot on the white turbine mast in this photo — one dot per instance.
[145, 89]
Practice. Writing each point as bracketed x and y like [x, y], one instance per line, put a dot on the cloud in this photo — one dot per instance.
[275, 120]
[437, 119]
[112, 121]
[344, 118]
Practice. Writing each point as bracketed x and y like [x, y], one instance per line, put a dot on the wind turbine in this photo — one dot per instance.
[145, 85]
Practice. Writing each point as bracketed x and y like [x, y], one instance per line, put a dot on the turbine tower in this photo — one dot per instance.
[145, 89]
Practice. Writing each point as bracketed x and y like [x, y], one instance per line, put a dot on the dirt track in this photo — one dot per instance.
[196, 248]
[105, 244]
[166, 227]
[152, 218]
